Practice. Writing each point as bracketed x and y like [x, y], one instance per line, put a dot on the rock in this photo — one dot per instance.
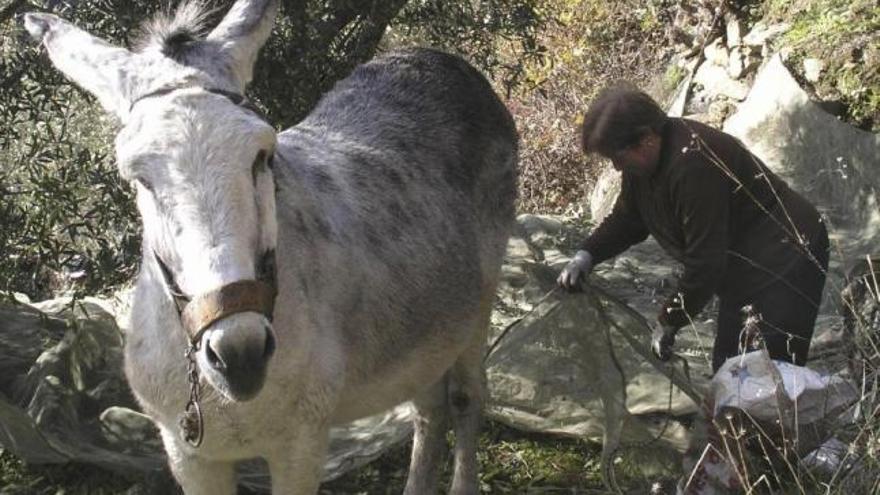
[539, 224]
[718, 111]
[679, 101]
[699, 101]
[537, 233]
[734, 32]
[715, 81]
[743, 61]
[716, 53]
[124, 425]
[752, 60]
[702, 117]
[761, 33]
[736, 64]
[830, 162]
[604, 194]
[714, 113]
[692, 24]
[813, 69]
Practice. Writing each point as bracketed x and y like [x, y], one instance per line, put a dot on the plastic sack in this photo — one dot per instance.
[767, 389]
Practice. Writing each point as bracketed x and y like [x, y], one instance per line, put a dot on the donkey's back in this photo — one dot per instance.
[420, 119]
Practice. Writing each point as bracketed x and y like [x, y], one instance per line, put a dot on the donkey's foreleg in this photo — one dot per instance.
[296, 464]
[198, 475]
[429, 440]
[467, 391]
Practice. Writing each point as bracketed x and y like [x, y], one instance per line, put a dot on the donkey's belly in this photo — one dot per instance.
[410, 372]
[377, 396]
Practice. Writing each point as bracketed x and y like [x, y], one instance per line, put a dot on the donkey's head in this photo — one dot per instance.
[200, 160]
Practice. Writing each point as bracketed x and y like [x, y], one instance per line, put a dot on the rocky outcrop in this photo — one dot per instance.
[832, 163]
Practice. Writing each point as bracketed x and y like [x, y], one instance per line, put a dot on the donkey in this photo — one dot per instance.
[297, 280]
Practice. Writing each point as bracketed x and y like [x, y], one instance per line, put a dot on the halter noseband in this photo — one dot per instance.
[199, 312]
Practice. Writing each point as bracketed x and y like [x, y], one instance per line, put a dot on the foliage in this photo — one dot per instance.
[64, 213]
[511, 462]
[588, 44]
[315, 44]
[18, 478]
[480, 29]
[68, 221]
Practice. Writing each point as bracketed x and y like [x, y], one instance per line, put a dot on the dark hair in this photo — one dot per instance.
[618, 118]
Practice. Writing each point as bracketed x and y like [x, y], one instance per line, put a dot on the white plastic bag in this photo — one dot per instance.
[751, 382]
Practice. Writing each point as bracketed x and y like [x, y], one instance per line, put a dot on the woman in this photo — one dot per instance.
[737, 228]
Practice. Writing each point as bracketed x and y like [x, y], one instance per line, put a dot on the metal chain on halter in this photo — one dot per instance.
[191, 423]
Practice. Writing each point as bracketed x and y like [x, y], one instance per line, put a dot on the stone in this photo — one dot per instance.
[604, 194]
[761, 33]
[752, 61]
[699, 101]
[832, 163]
[736, 64]
[734, 33]
[716, 81]
[539, 224]
[716, 53]
[813, 68]
[718, 111]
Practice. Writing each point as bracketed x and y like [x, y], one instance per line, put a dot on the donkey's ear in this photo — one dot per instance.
[93, 64]
[241, 34]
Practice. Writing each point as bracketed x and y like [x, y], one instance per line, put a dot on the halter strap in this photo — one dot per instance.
[199, 312]
[236, 98]
[237, 297]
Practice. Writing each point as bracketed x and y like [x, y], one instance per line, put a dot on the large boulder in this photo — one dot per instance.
[832, 163]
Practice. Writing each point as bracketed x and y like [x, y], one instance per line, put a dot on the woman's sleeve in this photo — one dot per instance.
[622, 228]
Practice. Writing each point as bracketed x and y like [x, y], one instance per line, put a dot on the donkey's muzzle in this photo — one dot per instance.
[241, 340]
[239, 357]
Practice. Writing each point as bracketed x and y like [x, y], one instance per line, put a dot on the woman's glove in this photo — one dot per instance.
[579, 267]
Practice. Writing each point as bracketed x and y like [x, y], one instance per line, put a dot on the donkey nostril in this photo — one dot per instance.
[213, 359]
[270, 344]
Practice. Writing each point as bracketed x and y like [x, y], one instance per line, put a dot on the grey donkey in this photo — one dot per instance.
[297, 280]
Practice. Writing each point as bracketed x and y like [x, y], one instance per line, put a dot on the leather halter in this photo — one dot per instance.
[199, 312]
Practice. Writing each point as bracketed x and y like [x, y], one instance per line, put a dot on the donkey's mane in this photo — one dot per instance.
[173, 33]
